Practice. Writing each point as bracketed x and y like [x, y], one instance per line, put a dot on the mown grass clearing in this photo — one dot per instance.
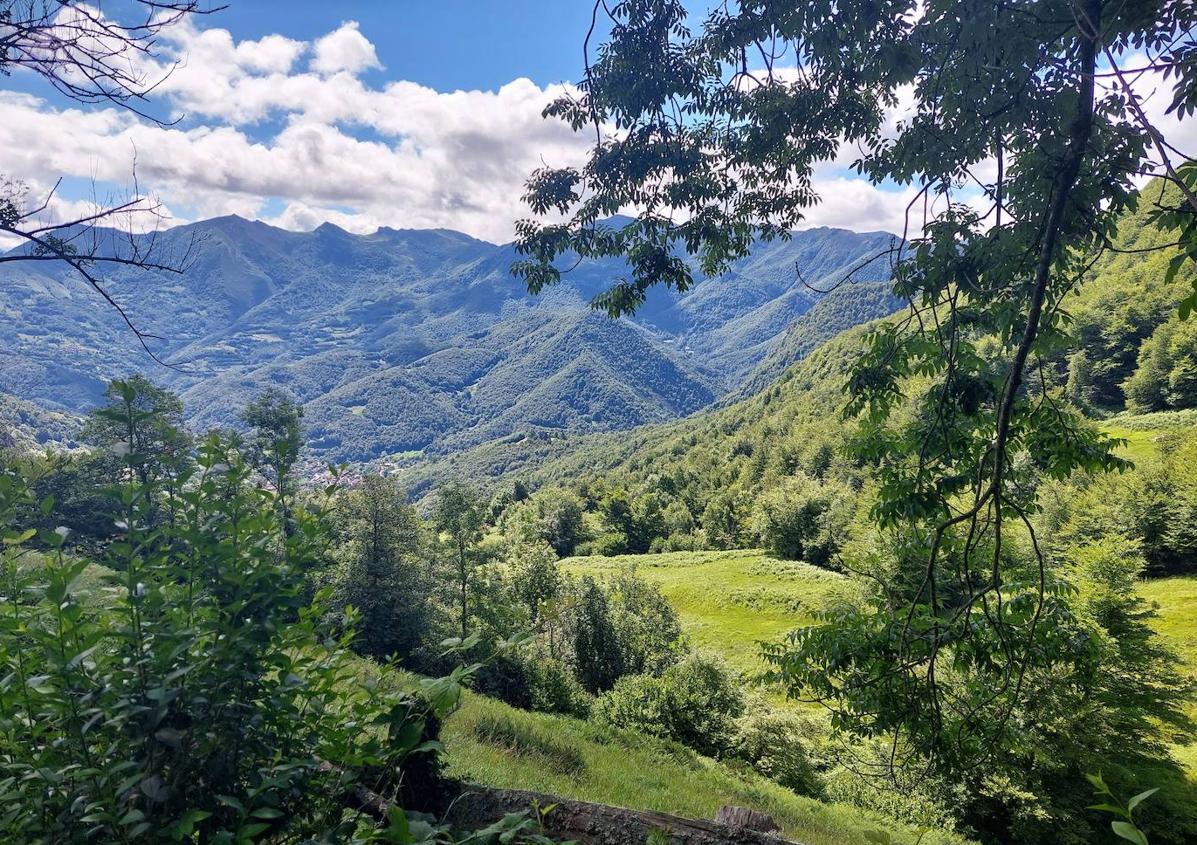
[1177, 624]
[1142, 432]
[729, 602]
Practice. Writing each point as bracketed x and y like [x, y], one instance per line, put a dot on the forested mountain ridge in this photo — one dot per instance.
[407, 341]
[1123, 319]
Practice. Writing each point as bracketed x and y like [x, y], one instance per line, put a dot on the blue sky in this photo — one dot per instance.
[445, 44]
[402, 113]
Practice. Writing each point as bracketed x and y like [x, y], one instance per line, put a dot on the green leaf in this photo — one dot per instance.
[231, 801]
[186, 825]
[1140, 798]
[20, 538]
[398, 828]
[249, 831]
[1129, 832]
[1174, 267]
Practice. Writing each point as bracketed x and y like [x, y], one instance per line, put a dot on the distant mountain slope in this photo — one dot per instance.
[25, 425]
[417, 341]
[836, 311]
[718, 449]
[785, 411]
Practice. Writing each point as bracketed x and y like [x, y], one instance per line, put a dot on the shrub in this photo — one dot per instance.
[695, 702]
[802, 519]
[607, 544]
[783, 746]
[916, 799]
[202, 697]
[646, 625]
[598, 660]
[533, 681]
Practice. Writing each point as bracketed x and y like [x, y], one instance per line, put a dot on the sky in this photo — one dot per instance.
[408, 114]
[400, 113]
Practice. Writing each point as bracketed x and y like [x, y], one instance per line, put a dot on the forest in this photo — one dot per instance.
[909, 558]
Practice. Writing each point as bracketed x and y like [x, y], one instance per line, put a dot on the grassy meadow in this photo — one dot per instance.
[729, 602]
[1176, 602]
[1142, 432]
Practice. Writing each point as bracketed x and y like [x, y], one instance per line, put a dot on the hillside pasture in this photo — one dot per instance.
[729, 602]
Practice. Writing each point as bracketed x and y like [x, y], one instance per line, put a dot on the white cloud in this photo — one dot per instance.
[454, 160]
[856, 204]
[264, 132]
[344, 50]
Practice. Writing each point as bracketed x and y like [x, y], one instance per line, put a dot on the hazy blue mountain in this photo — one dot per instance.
[419, 341]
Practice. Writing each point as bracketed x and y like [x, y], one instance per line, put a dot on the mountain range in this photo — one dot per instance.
[419, 342]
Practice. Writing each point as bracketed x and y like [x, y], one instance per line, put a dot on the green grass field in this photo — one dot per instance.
[1142, 432]
[729, 602]
[1176, 599]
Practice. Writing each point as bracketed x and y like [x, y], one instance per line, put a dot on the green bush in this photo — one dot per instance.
[914, 799]
[802, 519]
[533, 681]
[608, 544]
[783, 746]
[695, 702]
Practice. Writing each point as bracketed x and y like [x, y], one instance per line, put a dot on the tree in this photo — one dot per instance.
[679, 522]
[714, 138]
[598, 658]
[276, 438]
[140, 427]
[458, 515]
[801, 519]
[1166, 374]
[789, 517]
[385, 576]
[553, 516]
[646, 625]
[617, 515]
[561, 521]
[535, 578]
[89, 57]
[721, 521]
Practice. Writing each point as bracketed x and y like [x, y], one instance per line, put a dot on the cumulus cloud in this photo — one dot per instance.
[344, 49]
[855, 204]
[263, 130]
[456, 161]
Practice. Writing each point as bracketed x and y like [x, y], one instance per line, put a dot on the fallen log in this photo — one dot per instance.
[600, 824]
